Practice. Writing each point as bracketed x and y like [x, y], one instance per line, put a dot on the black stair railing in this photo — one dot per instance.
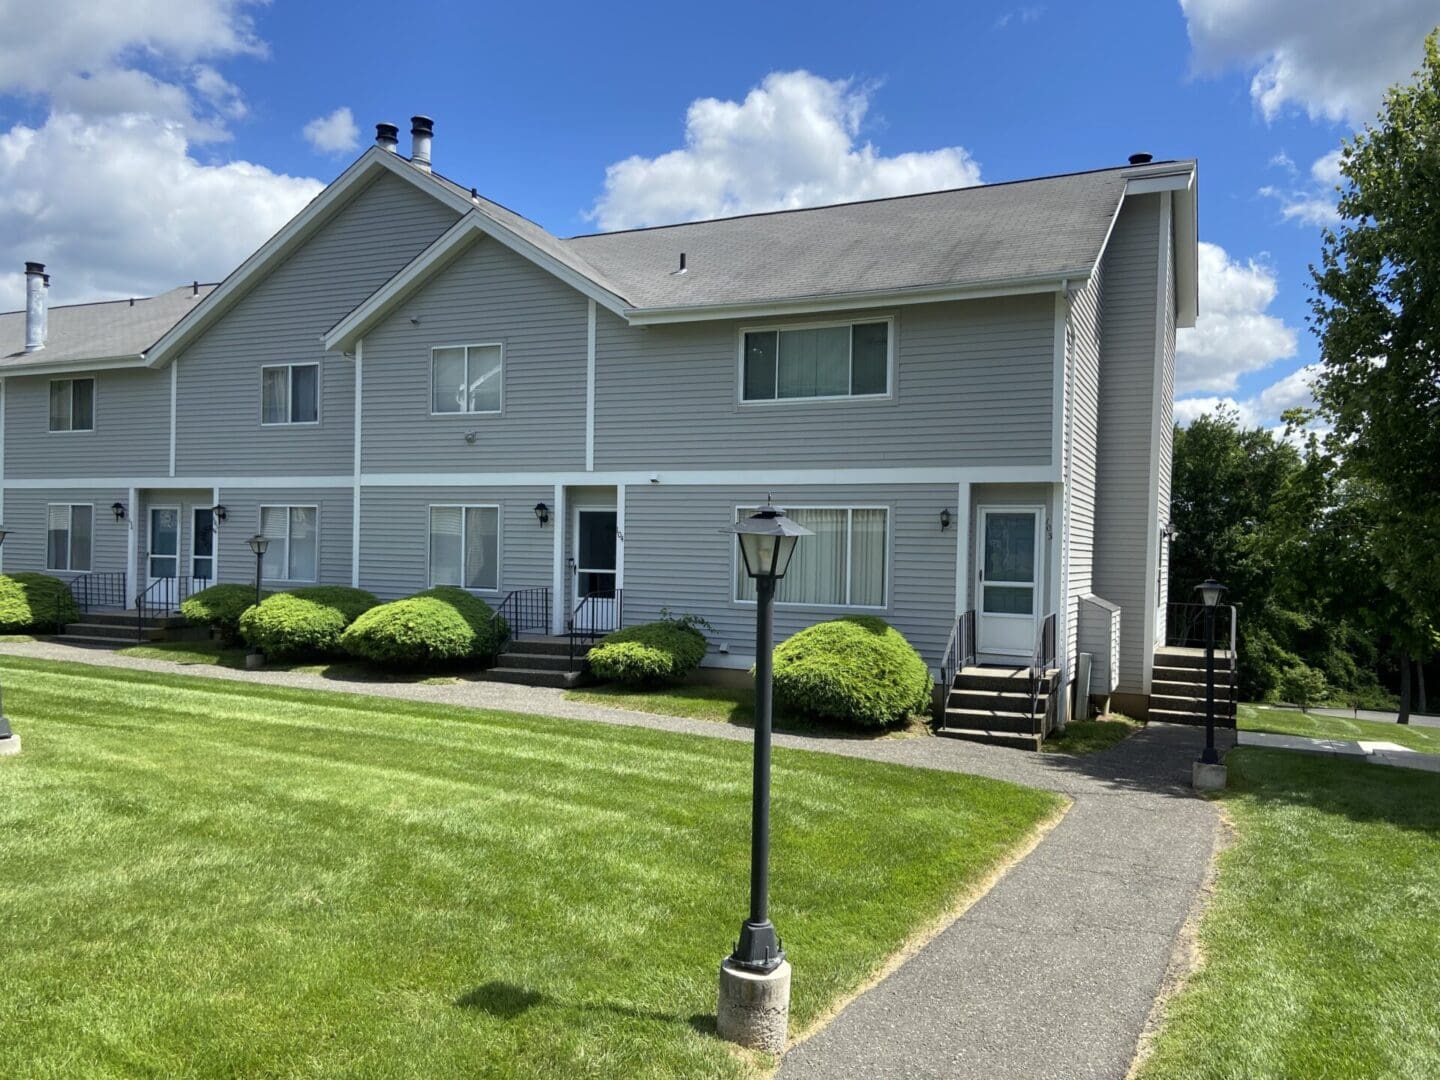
[163, 596]
[1185, 626]
[959, 650]
[1041, 661]
[98, 589]
[522, 610]
[597, 614]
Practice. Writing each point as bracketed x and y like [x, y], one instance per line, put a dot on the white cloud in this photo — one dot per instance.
[1188, 410]
[1332, 58]
[1326, 170]
[792, 142]
[1293, 391]
[1233, 334]
[1020, 15]
[333, 134]
[1312, 204]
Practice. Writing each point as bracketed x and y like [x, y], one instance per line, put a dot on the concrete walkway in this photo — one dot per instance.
[1377, 753]
[1051, 974]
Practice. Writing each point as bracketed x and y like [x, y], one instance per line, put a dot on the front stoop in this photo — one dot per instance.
[992, 705]
[1177, 688]
[539, 661]
[116, 629]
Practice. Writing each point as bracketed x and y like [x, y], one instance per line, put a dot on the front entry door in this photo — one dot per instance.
[596, 602]
[1009, 562]
[163, 555]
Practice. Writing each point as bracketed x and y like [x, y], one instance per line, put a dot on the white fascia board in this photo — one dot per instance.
[475, 224]
[928, 294]
[61, 367]
[299, 228]
[1183, 182]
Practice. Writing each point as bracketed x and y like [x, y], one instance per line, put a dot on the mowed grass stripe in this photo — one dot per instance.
[210, 878]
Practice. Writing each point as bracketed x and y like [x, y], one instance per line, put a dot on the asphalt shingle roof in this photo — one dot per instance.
[100, 331]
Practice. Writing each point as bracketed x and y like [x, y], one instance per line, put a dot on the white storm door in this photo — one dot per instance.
[1009, 580]
[596, 602]
[163, 552]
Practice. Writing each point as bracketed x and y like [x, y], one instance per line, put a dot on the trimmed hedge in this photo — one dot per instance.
[220, 607]
[651, 653]
[443, 625]
[858, 669]
[35, 602]
[305, 624]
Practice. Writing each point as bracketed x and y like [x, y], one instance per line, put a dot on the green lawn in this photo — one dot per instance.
[1315, 726]
[1322, 945]
[724, 704]
[1088, 736]
[190, 653]
[209, 878]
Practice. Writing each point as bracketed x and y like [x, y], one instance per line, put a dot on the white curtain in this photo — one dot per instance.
[446, 561]
[867, 558]
[814, 363]
[304, 544]
[817, 571]
[57, 556]
[448, 381]
[274, 523]
[275, 396]
[60, 405]
[484, 375]
[482, 548]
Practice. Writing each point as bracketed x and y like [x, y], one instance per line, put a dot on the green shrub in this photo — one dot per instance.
[858, 669]
[651, 653]
[35, 602]
[305, 624]
[220, 607]
[1302, 685]
[443, 625]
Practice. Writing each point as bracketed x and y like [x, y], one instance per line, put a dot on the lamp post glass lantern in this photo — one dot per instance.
[767, 544]
[258, 544]
[1210, 592]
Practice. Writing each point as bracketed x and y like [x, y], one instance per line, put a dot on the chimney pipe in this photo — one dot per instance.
[1141, 159]
[387, 137]
[422, 130]
[35, 305]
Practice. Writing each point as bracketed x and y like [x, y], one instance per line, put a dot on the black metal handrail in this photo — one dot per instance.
[959, 650]
[583, 618]
[523, 609]
[1185, 626]
[98, 588]
[163, 596]
[1041, 660]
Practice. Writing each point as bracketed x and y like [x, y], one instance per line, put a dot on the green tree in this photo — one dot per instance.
[1376, 310]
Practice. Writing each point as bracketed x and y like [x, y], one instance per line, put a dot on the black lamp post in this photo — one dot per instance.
[1210, 592]
[258, 544]
[9, 741]
[767, 544]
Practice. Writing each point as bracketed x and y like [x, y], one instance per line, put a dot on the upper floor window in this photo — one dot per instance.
[294, 550]
[465, 546]
[72, 404]
[466, 378]
[290, 394]
[843, 565]
[841, 360]
[69, 534]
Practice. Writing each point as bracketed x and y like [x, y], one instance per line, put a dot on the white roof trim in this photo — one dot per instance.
[80, 364]
[303, 225]
[476, 223]
[1183, 181]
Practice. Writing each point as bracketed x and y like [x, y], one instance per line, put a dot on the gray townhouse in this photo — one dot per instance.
[966, 395]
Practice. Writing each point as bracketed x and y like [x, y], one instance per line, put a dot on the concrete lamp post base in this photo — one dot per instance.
[10, 744]
[1206, 777]
[754, 1009]
[254, 661]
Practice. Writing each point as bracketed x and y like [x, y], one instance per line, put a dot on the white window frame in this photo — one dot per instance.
[430, 404]
[430, 583]
[888, 320]
[94, 404]
[288, 507]
[736, 565]
[290, 394]
[69, 534]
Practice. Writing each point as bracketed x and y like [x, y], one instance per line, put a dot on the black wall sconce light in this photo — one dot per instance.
[220, 513]
[944, 520]
[118, 509]
[542, 513]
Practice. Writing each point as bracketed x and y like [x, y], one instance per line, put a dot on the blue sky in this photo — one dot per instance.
[144, 148]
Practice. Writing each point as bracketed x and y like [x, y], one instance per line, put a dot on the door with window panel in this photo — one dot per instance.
[1009, 584]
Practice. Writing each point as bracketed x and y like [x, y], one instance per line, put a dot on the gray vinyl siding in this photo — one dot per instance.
[1083, 417]
[487, 295]
[1125, 504]
[242, 505]
[280, 321]
[973, 387]
[27, 522]
[1166, 446]
[395, 537]
[131, 435]
[679, 554]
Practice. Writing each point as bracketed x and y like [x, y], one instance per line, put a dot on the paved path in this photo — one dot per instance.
[1419, 719]
[1051, 974]
[1377, 753]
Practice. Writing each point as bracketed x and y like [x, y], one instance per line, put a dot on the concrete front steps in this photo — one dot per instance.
[539, 661]
[992, 705]
[1177, 689]
[115, 629]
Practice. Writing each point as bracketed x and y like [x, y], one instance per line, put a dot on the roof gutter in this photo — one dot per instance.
[83, 363]
[801, 305]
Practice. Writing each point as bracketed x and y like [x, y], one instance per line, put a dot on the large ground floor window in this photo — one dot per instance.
[465, 546]
[294, 551]
[69, 533]
[842, 565]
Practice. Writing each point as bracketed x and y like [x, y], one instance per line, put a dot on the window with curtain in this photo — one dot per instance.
[842, 565]
[290, 394]
[845, 360]
[294, 551]
[466, 378]
[69, 533]
[465, 546]
[72, 404]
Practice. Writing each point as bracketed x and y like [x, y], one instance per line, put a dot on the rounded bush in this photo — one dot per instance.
[444, 625]
[304, 624]
[858, 669]
[220, 607]
[35, 602]
[647, 654]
